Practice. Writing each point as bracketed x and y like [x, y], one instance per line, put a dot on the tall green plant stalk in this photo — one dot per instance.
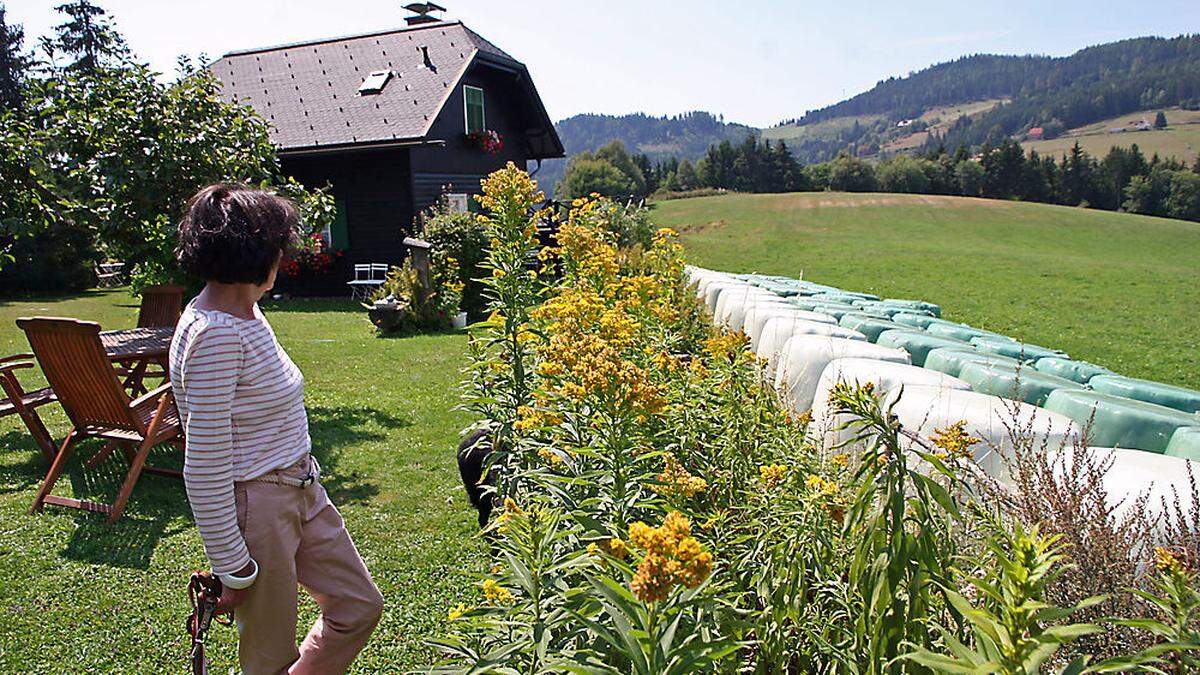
[901, 520]
[511, 289]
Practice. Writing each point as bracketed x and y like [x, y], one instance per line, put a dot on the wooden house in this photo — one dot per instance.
[391, 120]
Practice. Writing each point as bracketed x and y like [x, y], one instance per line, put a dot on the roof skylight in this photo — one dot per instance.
[375, 82]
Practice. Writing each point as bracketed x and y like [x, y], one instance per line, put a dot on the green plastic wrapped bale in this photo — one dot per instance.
[1005, 346]
[1078, 371]
[871, 326]
[917, 343]
[921, 321]
[835, 309]
[960, 331]
[1179, 398]
[914, 306]
[950, 360]
[1120, 422]
[881, 309]
[845, 296]
[1185, 443]
[1018, 383]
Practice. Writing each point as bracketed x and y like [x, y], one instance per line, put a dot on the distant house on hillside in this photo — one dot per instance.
[391, 120]
[1036, 134]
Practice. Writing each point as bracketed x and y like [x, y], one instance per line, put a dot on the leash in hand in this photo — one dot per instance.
[204, 590]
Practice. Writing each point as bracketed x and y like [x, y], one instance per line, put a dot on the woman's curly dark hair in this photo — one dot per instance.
[234, 234]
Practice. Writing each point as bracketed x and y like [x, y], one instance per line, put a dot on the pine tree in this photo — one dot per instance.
[13, 63]
[1160, 120]
[88, 35]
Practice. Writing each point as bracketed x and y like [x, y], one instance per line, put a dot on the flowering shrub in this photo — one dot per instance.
[312, 255]
[663, 514]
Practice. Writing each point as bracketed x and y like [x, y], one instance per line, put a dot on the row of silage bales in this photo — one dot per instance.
[741, 317]
[995, 365]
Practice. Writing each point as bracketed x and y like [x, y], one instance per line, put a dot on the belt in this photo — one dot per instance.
[278, 477]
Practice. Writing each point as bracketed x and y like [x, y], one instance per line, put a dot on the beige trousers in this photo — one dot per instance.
[298, 538]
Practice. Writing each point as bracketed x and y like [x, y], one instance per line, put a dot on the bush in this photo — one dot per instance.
[850, 174]
[58, 258]
[461, 236]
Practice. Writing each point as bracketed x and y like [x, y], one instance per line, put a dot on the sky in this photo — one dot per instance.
[755, 62]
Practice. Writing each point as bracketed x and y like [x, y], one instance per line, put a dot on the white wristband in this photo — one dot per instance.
[235, 582]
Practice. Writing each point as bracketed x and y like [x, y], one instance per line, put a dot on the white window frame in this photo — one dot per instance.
[457, 201]
[467, 110]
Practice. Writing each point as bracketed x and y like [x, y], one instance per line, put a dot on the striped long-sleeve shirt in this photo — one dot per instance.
[241, 400]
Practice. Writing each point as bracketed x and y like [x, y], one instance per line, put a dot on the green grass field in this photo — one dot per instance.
[1117, 289]
[80, 596]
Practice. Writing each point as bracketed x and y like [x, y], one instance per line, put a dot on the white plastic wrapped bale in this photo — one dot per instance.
[734, 317]
[712, 293]
[731, 298]
[758, 316]
[886, 377]
[804, 357]
[778, 330]
[1134, 472]
[922, 410]
[705, 283]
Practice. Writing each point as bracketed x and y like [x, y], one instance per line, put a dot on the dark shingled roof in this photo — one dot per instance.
[308, 91]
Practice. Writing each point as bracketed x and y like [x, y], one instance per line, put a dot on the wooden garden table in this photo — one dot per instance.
[137, 348]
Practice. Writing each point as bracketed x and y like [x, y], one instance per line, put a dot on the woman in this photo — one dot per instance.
[266, 522]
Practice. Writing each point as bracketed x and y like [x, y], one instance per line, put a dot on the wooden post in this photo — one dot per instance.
[419, 249]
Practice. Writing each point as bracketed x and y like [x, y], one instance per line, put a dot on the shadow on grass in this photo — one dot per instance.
[308, 305]
[59, 296]
[333, 429]
[158, 507]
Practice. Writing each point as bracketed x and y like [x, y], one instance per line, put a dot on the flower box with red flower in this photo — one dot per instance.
[486, 140]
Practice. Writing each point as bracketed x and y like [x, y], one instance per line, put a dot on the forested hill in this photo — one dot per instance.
[1092, 84]
[687, 135]
[681, 136]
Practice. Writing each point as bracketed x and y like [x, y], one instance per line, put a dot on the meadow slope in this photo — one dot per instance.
[1117, 289]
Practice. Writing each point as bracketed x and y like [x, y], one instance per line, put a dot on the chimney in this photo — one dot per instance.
[422, 13]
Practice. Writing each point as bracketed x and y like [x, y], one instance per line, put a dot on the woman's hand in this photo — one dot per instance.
[232, 597]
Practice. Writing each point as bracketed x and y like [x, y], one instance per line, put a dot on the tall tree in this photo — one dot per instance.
[1160, 120]
[13, 63]
[89, 37]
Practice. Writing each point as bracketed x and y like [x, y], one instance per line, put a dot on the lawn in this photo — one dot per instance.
[81, 596]
[1116, 289]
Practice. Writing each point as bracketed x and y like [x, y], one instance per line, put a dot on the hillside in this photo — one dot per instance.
[1116, 289]
[1010, 95]
[683, 136]
[1181, 138]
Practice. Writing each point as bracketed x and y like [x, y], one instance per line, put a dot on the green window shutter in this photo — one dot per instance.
[339, 232]
[473, 98]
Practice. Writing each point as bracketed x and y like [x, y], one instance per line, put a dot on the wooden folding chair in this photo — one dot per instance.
[161, 307]
[17, 401]
[74, 362]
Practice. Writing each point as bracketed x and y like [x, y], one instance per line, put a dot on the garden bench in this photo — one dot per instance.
[367, 278]
[110, 274]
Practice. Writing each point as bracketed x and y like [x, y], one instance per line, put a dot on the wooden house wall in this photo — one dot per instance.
[457, 163]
